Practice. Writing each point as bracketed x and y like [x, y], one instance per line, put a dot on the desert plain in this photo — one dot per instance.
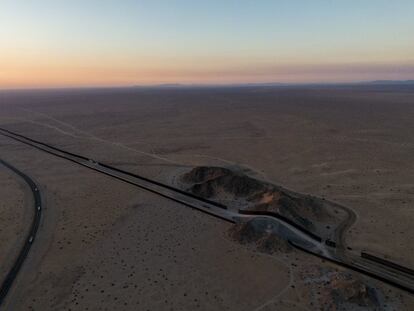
[106, 245]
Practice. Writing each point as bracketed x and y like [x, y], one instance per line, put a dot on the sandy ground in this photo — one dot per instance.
[105, 245]
[353, 146]
[16, 212]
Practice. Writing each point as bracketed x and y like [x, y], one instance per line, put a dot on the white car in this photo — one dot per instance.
[31, 239]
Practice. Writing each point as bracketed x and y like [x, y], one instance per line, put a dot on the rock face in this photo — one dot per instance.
[210, 181]
[229, 187]
[341, 290]
[345, 289]
[253, 233]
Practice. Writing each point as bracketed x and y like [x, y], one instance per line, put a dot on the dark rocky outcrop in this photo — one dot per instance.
[341, 290]
[253, 233]
[209, 181]
[228, 186]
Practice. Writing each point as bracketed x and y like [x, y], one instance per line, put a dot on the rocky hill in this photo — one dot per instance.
[239, 191]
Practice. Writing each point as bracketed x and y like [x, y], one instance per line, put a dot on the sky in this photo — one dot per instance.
[60, 43]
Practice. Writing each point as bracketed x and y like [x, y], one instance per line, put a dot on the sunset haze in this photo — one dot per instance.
[109, 43]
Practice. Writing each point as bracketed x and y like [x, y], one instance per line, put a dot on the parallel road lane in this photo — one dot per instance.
[311, 243]
[12, 274]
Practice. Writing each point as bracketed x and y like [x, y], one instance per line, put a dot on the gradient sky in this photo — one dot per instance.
[87, 43]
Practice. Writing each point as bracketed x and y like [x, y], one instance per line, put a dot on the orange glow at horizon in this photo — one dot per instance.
[77, 75]
[33, 69]
[85, 43]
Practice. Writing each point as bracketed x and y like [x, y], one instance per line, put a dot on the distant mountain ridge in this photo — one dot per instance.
[270, 84]
[405, 82]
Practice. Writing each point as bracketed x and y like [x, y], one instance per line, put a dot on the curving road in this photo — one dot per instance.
[297, 236]
[342, 229]
[12, 274]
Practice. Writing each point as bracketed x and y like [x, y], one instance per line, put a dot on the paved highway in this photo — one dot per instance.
[12, 274]
[299, 237]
